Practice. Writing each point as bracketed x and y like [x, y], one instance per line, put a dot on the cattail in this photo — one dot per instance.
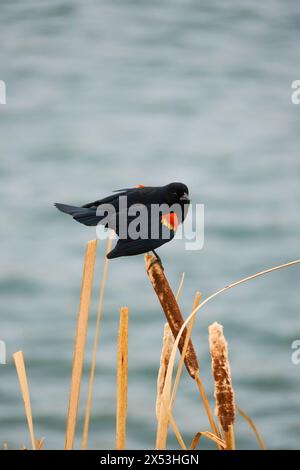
[224, 394]
[172, 311]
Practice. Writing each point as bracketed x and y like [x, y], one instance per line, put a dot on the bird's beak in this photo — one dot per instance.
[184, 198]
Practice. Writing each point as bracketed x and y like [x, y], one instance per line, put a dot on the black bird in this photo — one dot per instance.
[137, 234]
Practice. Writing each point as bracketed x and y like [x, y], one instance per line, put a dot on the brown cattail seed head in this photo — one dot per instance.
[224, 393]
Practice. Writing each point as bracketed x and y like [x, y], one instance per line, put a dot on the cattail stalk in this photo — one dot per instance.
[122, 373]
[21, 371]
[85, 433]
[168, 341]
[80, 338]
[171, 310]
[161, 411]
[224, 393]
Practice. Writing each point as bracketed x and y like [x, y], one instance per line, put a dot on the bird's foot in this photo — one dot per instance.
[155, 260]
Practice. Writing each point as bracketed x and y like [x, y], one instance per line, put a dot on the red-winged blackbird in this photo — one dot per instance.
[137, 234]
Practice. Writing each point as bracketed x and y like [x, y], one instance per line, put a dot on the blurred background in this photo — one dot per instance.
[103, 95]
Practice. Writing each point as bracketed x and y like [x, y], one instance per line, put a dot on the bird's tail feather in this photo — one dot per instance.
[80, 214]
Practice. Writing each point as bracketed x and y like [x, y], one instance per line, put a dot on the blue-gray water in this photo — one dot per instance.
[103, 95]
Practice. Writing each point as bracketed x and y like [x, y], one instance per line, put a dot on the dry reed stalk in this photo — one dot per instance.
[181, 360]
[85, 432]
[224, 393]
[40, 443]
[21, 371]
[163, 418]
[80, 338]
[168, 341]
[122, 372]
[253, 427]
[230, 438]
[161, 412]
[5, 446]
[179, 291]
[171, 310]
[207, 406]
[197, 377]
[201, 305]
[212, 437]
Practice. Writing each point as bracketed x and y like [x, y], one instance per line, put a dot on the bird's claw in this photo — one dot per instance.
[155, 260]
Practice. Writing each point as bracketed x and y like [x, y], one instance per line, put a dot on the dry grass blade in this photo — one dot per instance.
[181, 360]
[179, 291]
[207, 406]
[198, 379]
[5, 446]
[161, 412]
[79, 348]
[122, 372]
[171, 310]
[224, 394]
[166, 417]
[253, 427]
[209, 435]
[176, 430]
[40, 443]
[85, 433]
[21, 371]
[168, 341]
[197, 376]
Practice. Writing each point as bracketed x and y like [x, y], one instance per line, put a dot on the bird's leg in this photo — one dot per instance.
[156, 260]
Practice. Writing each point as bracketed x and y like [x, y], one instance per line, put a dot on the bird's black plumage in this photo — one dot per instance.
[138, 198]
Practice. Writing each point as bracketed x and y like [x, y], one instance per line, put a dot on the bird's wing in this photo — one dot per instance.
[134, 247]
[126, 190]
[114, 198]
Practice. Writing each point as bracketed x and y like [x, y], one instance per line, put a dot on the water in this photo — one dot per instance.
[103, 95]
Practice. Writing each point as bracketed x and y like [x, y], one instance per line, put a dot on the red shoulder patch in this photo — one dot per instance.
[170, 220]
[140, 186]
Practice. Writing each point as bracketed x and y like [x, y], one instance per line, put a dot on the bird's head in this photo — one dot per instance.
[177, 193]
